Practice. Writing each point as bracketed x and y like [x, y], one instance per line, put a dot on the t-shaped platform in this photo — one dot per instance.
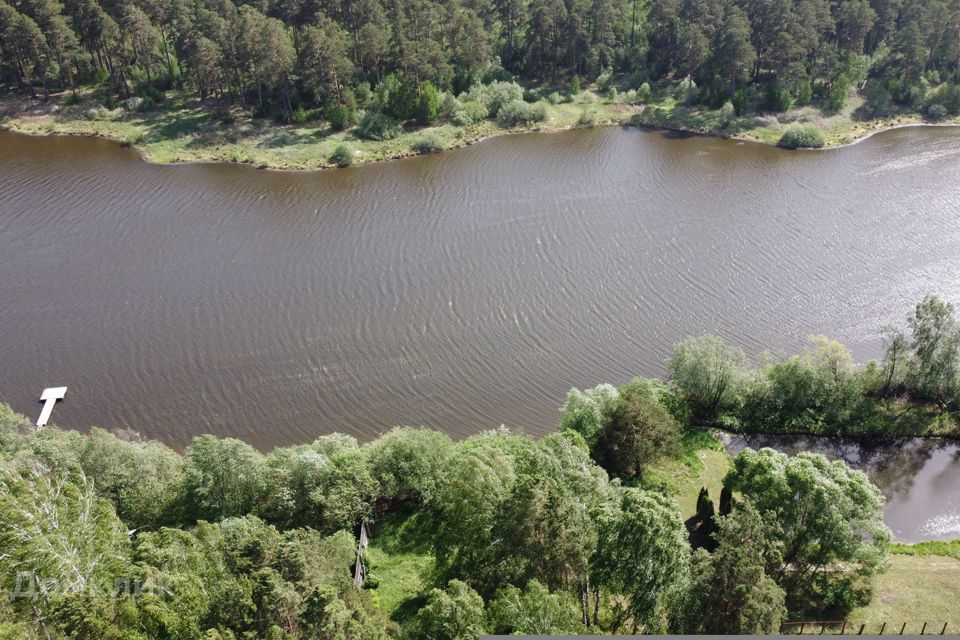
[49, 396]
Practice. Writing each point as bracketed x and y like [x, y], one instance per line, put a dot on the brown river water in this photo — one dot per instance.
[458, 291]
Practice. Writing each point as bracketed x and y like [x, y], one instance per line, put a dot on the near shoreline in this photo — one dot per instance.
[189, 132]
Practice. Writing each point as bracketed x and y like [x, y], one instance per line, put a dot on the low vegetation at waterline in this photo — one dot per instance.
[606, 526]
[803, 136]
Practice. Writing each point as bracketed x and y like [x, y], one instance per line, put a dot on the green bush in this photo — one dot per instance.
[397, 97]
[837, 98]
[378, 126]
[605, 79]
[804, 94]
[342, 116]
[575, 84]
[299, 115]
[802, 136]
[518, 112]
[555, 98]
[588, 117]
[741, 102]
[727, 113]
[686, 92]
[937, 111]
[428, 144]
[586, 97]
[877, 97]
[428, 103]
[448, 106]
[343, 155]
[778, 98]
[494, 95]
[469, 112]
[644, 93]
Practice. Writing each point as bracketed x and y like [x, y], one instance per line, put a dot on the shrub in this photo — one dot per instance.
[378, 126]
[396, 96]
[804, 94]
[727, 113]
[343, 155]
[519, 113]
[342, 116]
[947, 94]
[531, 95]
[586, 97]
[428, 144]
[605, 79]
[133, 103]
[449, 105]
[494, 95]
[575, 84]
[299, 115]
[555, 98]
[644, 93]
[72, 99]
[937, 111]
[802, 136]
[588, 117]
[686, 91]
[778, 98]
[877, 97]
[837, 98]
[470, 112]
[741, 102]
[612, 94]
[428, 103]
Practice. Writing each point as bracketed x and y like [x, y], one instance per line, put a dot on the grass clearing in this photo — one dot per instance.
[916, 589]
[703, 463]
[400, 558]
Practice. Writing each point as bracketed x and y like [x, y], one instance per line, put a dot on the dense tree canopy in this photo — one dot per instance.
[281, 56]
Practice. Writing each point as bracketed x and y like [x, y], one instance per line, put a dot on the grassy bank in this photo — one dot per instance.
[188, 131]
[916, 589]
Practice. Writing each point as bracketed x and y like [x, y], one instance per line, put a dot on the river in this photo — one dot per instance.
[458, 291]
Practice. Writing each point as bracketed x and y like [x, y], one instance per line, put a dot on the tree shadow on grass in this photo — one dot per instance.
[405, 531]
[408, 609]
[174, 125]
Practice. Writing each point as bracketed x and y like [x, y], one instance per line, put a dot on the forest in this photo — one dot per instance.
[379, 63]
[108, 535]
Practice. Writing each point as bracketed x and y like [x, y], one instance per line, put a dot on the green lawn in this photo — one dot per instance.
[702, 463]
[400, 560]
[916, 589]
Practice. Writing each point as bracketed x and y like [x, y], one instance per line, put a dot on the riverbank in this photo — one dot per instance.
[187, 131]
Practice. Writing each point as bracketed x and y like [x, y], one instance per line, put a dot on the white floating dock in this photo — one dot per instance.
[49, 396]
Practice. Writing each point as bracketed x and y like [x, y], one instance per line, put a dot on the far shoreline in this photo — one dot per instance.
[190, 134]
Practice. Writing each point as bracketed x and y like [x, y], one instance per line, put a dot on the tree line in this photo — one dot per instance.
[286, 58]
[913, 390]
[107, 535]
